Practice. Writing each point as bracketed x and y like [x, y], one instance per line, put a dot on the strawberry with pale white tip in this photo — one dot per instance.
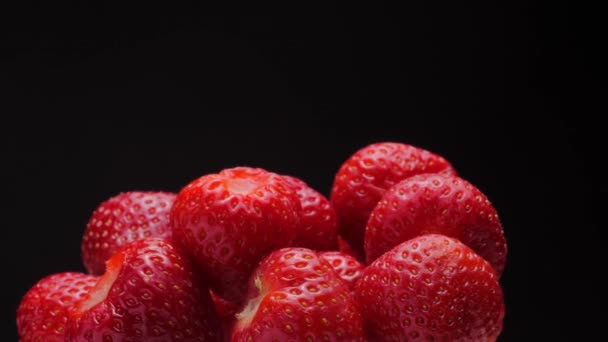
[296, 296]
[150, 292]
[44, 310]
[124, 218]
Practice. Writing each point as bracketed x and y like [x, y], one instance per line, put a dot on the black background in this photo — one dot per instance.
[103, 98]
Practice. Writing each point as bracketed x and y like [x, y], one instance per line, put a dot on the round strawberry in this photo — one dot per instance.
[367, 174]
[431, 288]
[122, 219]
[318, 227]
[150, 292]
[345, 265]
[295, 296]
[43, 312]
[231, 220]
[433, 203]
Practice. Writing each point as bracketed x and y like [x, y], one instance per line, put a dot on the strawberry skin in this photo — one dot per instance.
[43, 312]
[231, 220]
[122, 219]
[150, 292]
[433, 203]
[431, 288]
[345, 266]
[367, 174]
[295, 296]
[318, 227]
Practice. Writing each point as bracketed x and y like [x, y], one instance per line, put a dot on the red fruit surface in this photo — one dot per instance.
[150, 292]
[230, 221]
[367, 174]
[296, 296]
[43, 312]
[226, 310]
[318, 227]
[431, 288]
[122, 219]
[433, 203]
[345, 266]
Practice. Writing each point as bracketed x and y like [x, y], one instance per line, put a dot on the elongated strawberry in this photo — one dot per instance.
[345, 265]
[431, 288]
[150, 292]
[295, 296]
[231, 220]
[122, 219]
[433, 203]
[43, 312]
[318, 227]
[367, 174]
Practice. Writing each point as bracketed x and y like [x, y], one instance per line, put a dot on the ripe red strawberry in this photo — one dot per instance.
[43, 312]
[431, 288]
[231, 220]
[345, 266]
[433, 203]
[367, 174]
[150, 292]
[295, 296]
[318, 228]
[122, 219]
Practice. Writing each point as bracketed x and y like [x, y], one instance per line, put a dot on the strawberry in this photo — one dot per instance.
[43, 311]
[431, 288]
[433, 203]
[150, 292]
[231, 220]
[367, 174]
[345, 265]
[122, 219]
[318, 228]
[295, 296]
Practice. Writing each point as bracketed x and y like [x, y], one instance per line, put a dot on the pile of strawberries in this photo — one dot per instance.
[405, 250]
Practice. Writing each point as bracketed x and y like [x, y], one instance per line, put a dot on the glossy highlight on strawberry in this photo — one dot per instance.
[231, 220]
[431, 288]
[124, 218]
[294, 295]
[318, 227]
[433, 203]
[367, 174]
[149, 293]
[44, 310]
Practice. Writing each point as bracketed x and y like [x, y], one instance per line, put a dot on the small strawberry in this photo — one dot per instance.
[43, 312]
[122, 219]
[150, 292]
[431, 288]
[433, 203]
[367, 174]
[345, 266]
[318, 227]
[295, 296]
[231, 220]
